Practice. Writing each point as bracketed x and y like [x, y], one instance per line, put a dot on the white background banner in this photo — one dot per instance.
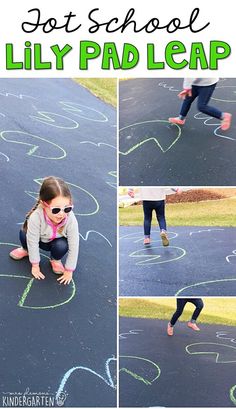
[70, 24]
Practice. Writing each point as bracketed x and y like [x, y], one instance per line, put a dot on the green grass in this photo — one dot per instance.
[103, 88]
[208, 213]
[216, 310]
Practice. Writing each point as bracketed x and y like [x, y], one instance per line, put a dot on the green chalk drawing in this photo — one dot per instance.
[31, 280]
[203, 283]
[138, 236]
[31, 151]
[137, 376]
[46, 118]
[149, 259]
[5, 156]
[169, 87]
[208, 122]
[232, 395]
[154, 139]
[20, 96]
[222, 335]
[219, 359]
[46, 307]
[4, 135]
[214, 97]
[99, 144]
[34, 195]
[39, 181]
[114, 174]
[26, 292]
[82, 111]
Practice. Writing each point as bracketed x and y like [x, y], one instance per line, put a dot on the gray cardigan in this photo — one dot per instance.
[40, 228]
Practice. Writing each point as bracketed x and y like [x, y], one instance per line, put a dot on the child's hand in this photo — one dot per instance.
[66, 277]
[131, 193]
[185, 93]
[36, 272]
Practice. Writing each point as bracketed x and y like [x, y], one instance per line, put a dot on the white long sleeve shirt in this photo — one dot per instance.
[154, 193]
[202, 82]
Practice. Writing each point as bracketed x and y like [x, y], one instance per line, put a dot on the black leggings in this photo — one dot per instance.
[204, 95]
[180, 307]
[57, 247]
[148, 207]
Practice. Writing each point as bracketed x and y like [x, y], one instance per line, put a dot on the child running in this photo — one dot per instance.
[153, 199]
[202, 88]
[181, 302]
[52, 226]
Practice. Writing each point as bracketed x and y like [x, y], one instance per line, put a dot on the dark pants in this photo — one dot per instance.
[57, 247]
[148, 207]
[180, 307]
[204, 95]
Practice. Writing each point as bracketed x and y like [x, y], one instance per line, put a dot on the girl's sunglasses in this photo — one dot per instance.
[56, 210]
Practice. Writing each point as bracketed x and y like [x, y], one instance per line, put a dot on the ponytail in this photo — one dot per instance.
[25, 225]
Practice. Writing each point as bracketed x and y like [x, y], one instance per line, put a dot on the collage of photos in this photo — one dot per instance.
[177, 242]
[58, 216]
[118, 242]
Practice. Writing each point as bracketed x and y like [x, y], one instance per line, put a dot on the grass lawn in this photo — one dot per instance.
[103, 88]
[208, 213]
[216, 310]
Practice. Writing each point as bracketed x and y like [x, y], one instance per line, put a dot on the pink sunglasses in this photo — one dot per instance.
[56, 210]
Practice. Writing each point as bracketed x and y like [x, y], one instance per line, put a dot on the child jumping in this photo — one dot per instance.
[52, 226]
[181, 302]
[153, 199]
[202, 88]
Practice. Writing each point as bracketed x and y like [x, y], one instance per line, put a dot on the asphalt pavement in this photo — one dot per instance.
[155, 152]
[190, 369]
[199, 260]
[58, 339]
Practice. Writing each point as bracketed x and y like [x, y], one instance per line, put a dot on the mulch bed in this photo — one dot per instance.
[196, 195]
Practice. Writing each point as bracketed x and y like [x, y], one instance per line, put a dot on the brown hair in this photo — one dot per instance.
[51, 187]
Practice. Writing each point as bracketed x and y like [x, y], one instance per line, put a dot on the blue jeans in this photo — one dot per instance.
[148, 207]
[57, 247]
[204, 95]
[181, 302]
